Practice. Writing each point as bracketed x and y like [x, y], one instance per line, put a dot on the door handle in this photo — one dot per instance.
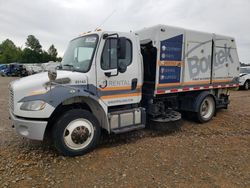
[110, 73]
[134, 84]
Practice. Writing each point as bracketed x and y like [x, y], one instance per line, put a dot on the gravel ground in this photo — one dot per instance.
[215, 154]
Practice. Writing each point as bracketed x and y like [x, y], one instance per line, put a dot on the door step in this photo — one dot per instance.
[128, 128]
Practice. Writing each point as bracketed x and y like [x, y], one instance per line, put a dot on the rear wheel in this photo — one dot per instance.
[76, 132]
[206, 109]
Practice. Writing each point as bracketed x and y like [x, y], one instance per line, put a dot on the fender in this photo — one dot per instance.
[61, 93]
[192, 101]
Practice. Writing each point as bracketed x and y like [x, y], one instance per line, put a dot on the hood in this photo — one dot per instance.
[242, 74]
[38, 81]
[36, 84]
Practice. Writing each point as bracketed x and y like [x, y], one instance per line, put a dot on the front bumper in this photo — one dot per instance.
[242, 83]
[31, 129]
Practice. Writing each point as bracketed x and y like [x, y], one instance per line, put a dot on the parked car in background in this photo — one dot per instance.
[2, 69]
[3, 66]
[42, 67]
[50, 66]
[245, 77]
[33, 68]
[14, 69]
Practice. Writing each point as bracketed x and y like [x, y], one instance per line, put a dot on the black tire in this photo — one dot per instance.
[60, 130]
[201, 115]
[246, 85]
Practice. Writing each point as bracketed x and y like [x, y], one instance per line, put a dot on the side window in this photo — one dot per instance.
[109, 54]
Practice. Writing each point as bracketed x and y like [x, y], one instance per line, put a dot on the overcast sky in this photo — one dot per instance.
[58, 21]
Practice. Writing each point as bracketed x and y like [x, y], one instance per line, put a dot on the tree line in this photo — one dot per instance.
[32, 53]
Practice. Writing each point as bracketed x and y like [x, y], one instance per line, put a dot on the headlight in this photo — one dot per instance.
[33, 105]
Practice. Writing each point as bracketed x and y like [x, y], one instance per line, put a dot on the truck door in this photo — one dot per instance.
[114, 87]
[226, 60]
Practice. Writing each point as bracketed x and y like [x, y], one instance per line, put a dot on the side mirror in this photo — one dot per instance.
[121, 51]
[122, 67]
[52, 74]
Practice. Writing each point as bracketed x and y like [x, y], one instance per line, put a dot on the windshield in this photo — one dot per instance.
[245, 70]
[79, 54]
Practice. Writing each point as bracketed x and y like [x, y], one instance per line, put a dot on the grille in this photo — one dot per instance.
[11, 99]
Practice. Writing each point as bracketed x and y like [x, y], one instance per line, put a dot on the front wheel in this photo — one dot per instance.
[246, 85]
[206, 109]
[76, 132]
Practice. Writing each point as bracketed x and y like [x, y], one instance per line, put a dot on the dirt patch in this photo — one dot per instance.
[215, 154]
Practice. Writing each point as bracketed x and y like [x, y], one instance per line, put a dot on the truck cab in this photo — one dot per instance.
[100, 78]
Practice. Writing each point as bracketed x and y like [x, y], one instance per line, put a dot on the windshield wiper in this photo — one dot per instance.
[68, 65]
[72, 68]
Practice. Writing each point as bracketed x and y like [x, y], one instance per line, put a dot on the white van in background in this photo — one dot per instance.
[245, 77]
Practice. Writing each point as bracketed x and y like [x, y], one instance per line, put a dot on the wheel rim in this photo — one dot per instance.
[246, 85]
[78, 134]
[207, 107]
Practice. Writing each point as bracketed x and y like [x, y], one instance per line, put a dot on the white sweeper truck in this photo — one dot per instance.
[118, 81]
